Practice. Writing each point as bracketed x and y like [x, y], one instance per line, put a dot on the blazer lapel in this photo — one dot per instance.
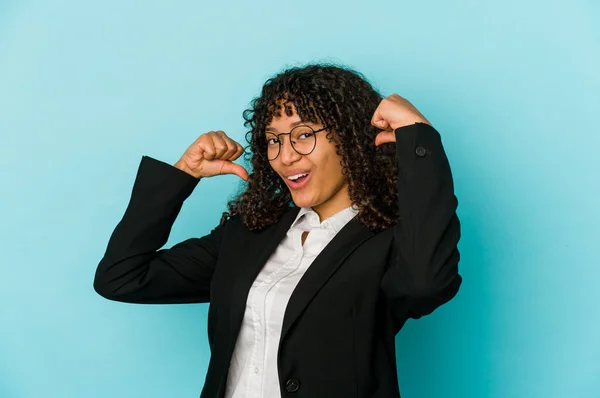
[258, 250]
[259, 247]
[322, 268]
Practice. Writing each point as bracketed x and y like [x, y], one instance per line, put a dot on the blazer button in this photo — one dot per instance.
[292, 385]
[420, 151]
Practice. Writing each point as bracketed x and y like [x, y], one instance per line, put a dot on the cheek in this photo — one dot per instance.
[334, 163]
[275, 166]
[331, 171]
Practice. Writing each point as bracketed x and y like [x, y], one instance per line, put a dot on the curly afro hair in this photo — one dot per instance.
[343, 100]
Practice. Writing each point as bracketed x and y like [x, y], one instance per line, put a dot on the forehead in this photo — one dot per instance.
[285, 116]
[286, 123]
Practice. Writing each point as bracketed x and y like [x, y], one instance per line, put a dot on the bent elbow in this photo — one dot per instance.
[103, 289]
[426, 300]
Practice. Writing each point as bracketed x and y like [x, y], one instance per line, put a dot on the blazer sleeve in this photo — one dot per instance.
[133, 269]
[423, 272]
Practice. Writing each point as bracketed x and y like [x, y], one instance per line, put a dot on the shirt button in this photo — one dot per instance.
[292, 385]
[256, 370]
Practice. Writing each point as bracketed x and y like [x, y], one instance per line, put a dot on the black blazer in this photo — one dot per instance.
[339, 326]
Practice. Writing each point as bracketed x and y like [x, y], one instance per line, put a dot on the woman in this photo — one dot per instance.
[347, 228]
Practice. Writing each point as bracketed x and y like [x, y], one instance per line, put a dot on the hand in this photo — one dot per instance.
[212, 154]
[394, 112]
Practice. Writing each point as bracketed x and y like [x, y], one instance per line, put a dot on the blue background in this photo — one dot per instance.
[87, 88]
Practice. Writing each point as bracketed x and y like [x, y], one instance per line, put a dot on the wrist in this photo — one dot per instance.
[181, 165]
[399, 124]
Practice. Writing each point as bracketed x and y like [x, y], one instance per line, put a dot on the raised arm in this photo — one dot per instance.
[423, 273]
[134, 268]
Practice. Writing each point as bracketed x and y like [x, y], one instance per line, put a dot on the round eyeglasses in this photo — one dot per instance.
[303, 139]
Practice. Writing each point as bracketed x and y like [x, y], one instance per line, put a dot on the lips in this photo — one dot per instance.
[299, 183]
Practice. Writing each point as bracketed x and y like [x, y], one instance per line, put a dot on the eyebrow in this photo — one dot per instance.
[271, 129]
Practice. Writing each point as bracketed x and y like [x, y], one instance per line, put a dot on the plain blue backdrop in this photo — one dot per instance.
[87, 88]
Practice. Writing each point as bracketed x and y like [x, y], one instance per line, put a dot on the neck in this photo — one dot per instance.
[333, 205]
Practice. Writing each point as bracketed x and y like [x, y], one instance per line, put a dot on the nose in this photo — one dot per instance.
[287, 153]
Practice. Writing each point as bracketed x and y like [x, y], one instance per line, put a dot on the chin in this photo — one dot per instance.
[301, 202]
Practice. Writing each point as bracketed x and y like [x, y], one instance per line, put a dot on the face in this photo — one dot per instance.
[324, 189]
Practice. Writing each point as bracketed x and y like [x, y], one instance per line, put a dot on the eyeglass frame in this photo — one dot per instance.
[289, 133]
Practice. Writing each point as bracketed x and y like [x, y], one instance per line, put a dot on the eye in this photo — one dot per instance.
[272, 141]
[301, 133]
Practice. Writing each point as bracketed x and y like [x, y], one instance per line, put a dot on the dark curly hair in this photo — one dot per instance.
[343, 100]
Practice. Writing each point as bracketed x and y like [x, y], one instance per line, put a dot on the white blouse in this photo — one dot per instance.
[253, 367]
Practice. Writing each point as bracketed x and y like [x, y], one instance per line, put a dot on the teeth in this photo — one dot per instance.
[294, 178]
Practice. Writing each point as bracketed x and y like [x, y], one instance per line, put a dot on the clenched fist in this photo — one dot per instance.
[212, 154]
[394, 112]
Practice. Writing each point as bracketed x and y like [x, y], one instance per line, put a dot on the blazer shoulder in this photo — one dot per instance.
[228, 220]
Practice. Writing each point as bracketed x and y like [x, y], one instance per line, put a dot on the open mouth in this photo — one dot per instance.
[298, 181]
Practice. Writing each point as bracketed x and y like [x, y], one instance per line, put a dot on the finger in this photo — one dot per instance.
[238, 152]
[231, 168]
[220, 144]
[208, 150]
[379, 122]
[235, 149]
[385, 137]
[231, 146]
